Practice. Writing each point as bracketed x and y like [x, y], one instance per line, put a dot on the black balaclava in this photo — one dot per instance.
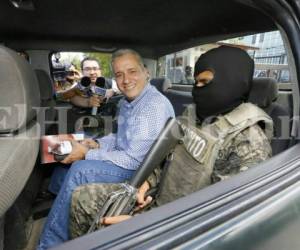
[233, 71]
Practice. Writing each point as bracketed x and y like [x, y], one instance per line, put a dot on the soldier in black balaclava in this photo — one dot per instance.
[223, 78]
[231, 141]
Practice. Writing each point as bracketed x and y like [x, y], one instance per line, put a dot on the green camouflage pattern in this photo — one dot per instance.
[242, 154]
[87, 200]
[247, 149]
[186, 174]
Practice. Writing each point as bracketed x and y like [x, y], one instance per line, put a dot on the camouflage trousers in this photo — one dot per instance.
[87, 201]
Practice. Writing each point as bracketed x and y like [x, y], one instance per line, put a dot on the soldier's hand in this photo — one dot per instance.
[78, 153]
[143, 201]
[114, 219]
[90, 143]
[95, 101]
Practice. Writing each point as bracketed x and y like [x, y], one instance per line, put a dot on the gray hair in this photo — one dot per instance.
[122, 52]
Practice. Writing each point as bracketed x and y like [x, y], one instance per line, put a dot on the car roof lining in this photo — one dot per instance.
[154, 28]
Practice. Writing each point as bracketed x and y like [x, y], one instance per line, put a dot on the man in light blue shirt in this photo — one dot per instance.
[113, 158]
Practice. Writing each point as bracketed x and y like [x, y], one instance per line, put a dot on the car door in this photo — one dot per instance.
[257, 209]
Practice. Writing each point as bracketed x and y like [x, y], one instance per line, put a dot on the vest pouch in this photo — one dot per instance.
[185, 174]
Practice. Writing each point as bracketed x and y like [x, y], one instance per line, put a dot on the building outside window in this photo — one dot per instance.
[267, 49]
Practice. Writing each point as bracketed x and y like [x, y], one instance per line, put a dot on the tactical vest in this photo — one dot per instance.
[195, 156]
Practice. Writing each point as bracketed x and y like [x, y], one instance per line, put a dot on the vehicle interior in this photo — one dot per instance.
[212, 218]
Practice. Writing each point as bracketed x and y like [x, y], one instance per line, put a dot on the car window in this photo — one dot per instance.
[24, 55]
[267, 50]
[66, 69]
[269, 55]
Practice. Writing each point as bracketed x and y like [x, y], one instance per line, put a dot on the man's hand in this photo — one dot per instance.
[67, 94]
[90, 143]
[141, 201]
[77, 75]
[78, 153]
[109, 93]
[114, 219]
[95, 101]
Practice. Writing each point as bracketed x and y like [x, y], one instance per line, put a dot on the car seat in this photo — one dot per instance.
[19, 131]
[162, 84]
[264, 93]
[179, 99]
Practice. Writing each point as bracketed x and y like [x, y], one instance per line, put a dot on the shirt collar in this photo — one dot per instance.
[141, 95]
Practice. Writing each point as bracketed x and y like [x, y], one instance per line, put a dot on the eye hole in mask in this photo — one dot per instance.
[204, 78]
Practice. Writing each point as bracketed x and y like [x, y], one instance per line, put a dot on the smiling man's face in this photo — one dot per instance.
[131, 76]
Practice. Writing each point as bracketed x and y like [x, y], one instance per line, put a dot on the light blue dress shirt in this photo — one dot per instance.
[139, 123]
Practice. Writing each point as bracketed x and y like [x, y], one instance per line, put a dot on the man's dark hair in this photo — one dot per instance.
[89, 59]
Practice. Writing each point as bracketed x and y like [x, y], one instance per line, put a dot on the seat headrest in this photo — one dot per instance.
[263, 92]
[19, 91]
[162, 84]
[46, 85]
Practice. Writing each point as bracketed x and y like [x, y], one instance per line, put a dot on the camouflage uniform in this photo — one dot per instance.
[84, 212]
[246, 149]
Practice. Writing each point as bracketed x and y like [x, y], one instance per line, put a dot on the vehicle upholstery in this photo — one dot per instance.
[264, 93]
[65, 24]
[179, 99]
[47, 116]
[19, 131]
